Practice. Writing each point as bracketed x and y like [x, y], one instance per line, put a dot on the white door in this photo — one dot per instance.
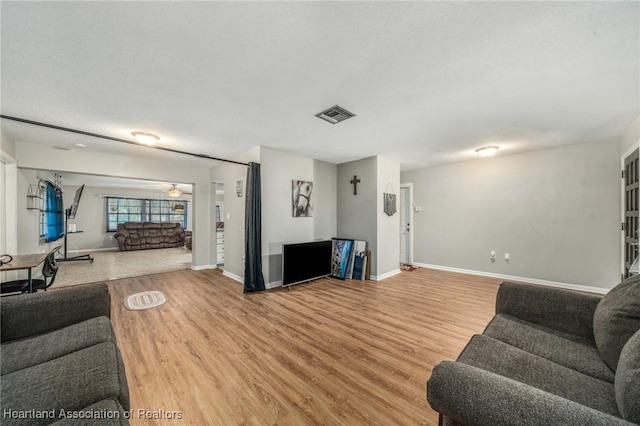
[406, 223]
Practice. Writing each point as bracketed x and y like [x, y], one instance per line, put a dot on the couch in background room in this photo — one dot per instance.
[548, 357]
[59, 358]
[149, 235]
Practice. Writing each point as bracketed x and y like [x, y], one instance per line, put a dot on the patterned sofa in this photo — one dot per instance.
[149, 235]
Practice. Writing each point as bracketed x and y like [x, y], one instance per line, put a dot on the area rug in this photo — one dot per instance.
[144, 300]
[407, 267]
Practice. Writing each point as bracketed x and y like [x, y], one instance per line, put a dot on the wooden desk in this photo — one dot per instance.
[25, 261]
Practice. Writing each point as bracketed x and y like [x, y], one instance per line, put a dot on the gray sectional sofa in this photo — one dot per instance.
[59, 360]
[548, 357]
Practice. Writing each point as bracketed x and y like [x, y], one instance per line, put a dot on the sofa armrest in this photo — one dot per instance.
[123, 233]
[36, 313]
[563, 310]
[473, 396]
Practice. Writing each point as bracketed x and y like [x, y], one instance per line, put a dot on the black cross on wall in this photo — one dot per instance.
[355, 182]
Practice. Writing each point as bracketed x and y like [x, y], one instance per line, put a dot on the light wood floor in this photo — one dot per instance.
[328, 352]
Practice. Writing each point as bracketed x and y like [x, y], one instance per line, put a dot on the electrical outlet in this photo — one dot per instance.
[507, 257]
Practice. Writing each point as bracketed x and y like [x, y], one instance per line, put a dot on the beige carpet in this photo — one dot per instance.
[111, 265]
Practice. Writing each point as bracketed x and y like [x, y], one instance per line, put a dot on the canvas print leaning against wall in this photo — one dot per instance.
[302, 204]
[340, 255]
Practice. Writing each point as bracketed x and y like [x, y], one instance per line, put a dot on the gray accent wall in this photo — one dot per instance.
[361, 217]
[357, 216]
[555, 211]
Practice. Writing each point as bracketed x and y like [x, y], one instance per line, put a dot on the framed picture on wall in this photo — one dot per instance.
[302, 191]
[340, 255]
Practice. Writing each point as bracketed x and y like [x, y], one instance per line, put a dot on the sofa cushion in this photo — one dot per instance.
[70, 382]
[24, 353]
[110, 409]
[575, 352]
[628, 380]
[616, 319]
[500, 358]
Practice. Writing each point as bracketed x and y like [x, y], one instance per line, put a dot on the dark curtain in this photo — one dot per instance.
[253, 279]
[54, 212]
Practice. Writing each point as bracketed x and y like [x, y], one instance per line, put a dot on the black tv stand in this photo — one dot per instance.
[66, 232]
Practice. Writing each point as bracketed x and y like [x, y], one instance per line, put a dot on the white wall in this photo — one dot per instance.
[7, 144]
[28, 223]
[631, 136]
[228, 174]
[556, 212]
[8, 187]
[388, 256]
[160, 167]
[9, 184]
[92, 214]
[278, 170]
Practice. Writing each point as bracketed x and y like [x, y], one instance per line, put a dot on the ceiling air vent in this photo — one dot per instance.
[335, 114]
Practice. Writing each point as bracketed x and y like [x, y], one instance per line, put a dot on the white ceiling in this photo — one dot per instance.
[428, 81]
[116, 183]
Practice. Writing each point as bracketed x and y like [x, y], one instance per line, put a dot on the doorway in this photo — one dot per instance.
[630, 208]
[219, 225]
[406, 223]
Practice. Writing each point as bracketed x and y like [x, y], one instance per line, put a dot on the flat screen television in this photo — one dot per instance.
[303, 262]
[76, 200]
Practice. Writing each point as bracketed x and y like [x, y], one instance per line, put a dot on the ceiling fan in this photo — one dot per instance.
[175, 192]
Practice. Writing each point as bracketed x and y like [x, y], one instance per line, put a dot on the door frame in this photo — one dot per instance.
[10, 184]
[623, 157]
[409, 185]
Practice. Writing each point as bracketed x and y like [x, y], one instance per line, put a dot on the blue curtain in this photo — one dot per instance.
[54, 213]
[253, 279]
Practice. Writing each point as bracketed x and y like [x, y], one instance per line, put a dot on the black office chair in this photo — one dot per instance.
[49, 272]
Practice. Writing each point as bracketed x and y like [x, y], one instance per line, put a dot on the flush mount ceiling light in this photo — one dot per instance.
[145, 138]
[174, 191]
[80, 145]
[487, 151]
[335, 114]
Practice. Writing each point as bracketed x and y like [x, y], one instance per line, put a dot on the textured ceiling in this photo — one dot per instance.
[428, 81]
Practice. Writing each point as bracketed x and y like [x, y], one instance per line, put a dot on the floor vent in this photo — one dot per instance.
[335, 114]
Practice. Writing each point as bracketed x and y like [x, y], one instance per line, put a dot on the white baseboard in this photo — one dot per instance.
[93, 250]
[385, 275]
[203, 267]
[273, 284]
[515, 278]
[233, 276]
